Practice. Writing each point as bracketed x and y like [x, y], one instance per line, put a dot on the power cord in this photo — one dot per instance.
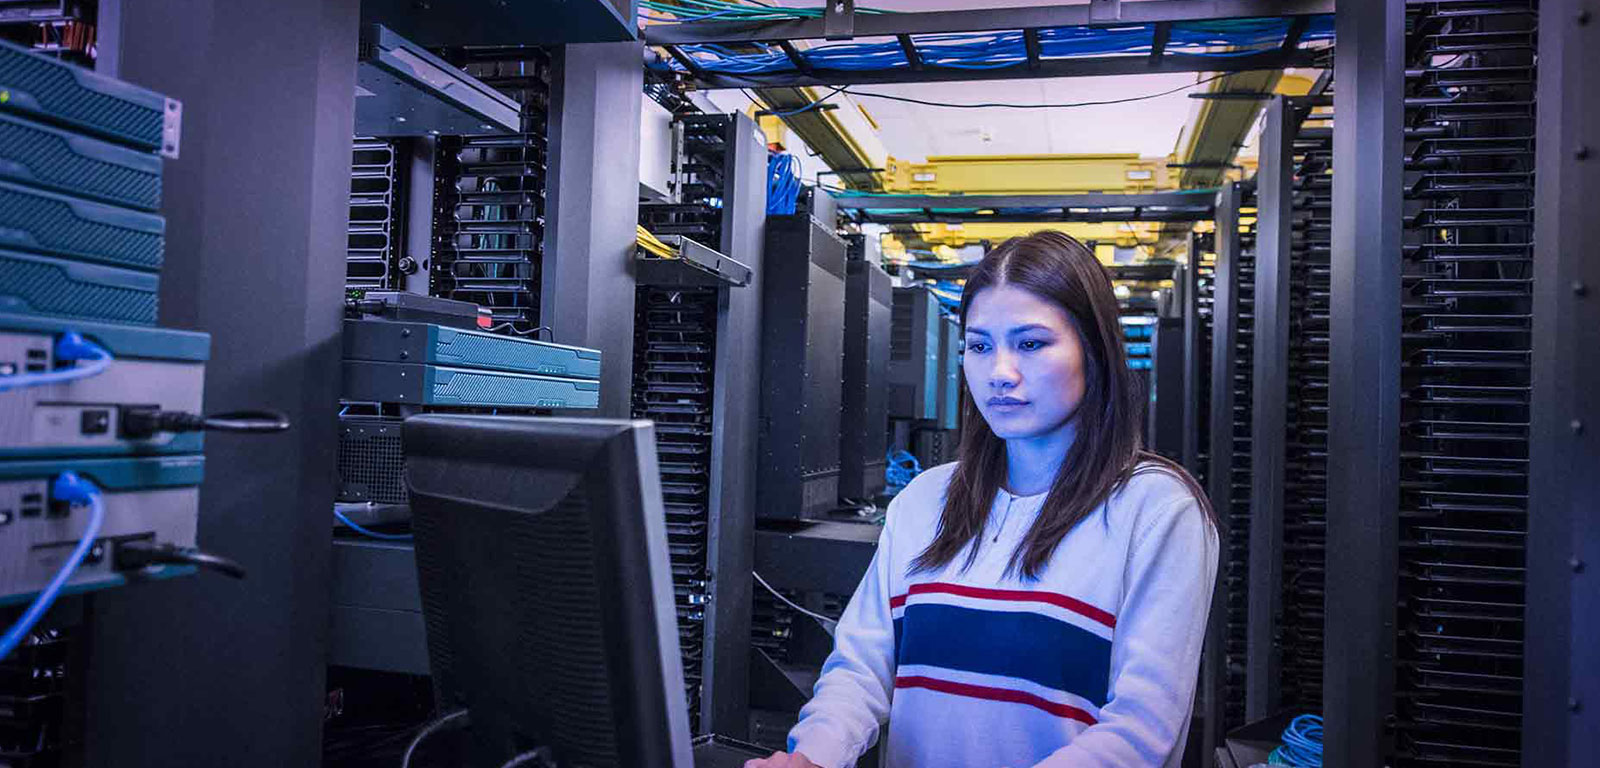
[133, 555]
[368, 532]
[828, 624]
[140, 423]
[428, 730]
[69, 347]
[536, 758]
[72, 489]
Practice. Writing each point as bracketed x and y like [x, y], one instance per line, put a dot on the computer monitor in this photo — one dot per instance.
[542, 558]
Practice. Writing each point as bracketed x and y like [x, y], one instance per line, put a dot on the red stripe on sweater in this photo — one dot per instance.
[996, 694]
[1016, 595]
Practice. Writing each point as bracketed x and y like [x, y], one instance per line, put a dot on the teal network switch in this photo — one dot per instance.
[150, 368]
[59, 160]
[44, 285]
[60, 225]
[387, 341]
[151, 499]
[69, 95]
[434, 385]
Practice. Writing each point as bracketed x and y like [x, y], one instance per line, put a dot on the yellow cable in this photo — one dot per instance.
[653, 244]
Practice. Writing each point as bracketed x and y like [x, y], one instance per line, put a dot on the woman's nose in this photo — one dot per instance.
[1004, 373]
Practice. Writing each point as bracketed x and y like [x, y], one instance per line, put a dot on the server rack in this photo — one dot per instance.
[489, 196]
[1227, 454]
[1433, 327]
[1465, 385]
[914, 335]
[376, 227]
[1305, 445]
[1288, 433]
[693, 354]
[1560, 677]
[703, 146]
[1164, 401]
[950, 382]
[802, 373]
[869, 294]
[1198, 297]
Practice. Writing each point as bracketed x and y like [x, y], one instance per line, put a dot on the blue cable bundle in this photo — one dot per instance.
[903, 467]
[1302, 744]
[783, 183]
[999, 50]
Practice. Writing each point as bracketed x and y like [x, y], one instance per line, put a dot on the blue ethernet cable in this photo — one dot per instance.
[72, 347]
[72, 489]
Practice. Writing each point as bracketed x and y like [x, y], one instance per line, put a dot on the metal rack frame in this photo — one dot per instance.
[1176, 206]
[842, 22]
[1561, 693]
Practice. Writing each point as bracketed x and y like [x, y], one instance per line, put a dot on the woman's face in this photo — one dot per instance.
[1023, 361]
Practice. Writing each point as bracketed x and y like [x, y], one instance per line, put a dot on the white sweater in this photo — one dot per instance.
[1093, 664]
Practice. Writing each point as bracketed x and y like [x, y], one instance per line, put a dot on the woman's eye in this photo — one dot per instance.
[1031, 345]
[977, 346]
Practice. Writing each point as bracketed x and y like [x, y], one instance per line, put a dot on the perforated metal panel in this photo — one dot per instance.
[371, 462]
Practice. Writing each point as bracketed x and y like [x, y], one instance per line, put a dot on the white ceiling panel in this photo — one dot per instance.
[914, 132]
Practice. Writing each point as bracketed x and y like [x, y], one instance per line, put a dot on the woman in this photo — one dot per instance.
[1042, 601]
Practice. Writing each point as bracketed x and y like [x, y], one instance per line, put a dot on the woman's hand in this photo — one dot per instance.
[781, 760]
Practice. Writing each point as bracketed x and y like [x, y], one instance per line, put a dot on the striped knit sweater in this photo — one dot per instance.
[1093, 664]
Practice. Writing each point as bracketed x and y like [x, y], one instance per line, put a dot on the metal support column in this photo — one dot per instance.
[1269, 427]
[1364, 382]
[1561, 693]
[206, 670]
[1224, 337]
[1192, 361]
[588, 289]
[730, 558]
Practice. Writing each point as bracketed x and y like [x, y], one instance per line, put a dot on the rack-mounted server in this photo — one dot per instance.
[915, 337]
[802, 334]
[695, 352]
[864, 424]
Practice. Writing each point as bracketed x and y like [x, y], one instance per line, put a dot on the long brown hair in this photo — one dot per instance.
[1107, 451]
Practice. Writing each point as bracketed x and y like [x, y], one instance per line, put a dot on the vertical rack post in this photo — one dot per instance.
[731, 539]
[588, 285]
[190, 671]
[1364, 381]
[1224, 338]
[1275, 189]
[1561, 696]
[1219, 472]
[1193, 359]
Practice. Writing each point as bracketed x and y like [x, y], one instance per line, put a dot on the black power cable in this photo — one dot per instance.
[139, 423]
[459, 716]
[133, 555]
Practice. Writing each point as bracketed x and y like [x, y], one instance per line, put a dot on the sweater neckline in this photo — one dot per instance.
[1009, 496]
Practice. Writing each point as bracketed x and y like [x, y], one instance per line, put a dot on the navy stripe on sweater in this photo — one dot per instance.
[1040, 649]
